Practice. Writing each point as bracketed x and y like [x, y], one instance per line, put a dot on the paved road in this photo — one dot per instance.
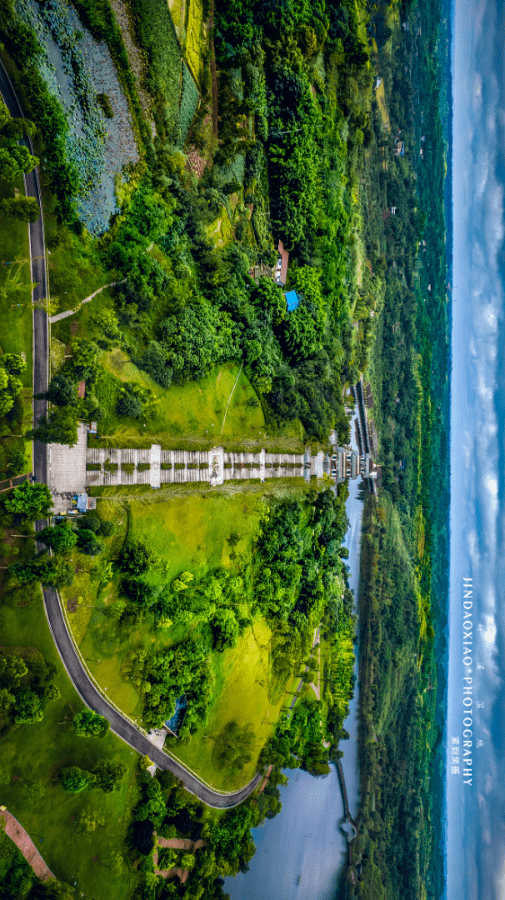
[64, 643]
[38, 274]
[121, 726]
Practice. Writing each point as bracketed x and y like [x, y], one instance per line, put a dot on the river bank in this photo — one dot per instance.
[299, 854]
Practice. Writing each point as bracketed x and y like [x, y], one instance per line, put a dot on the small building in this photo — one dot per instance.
[281, 268]
[84, 503]
[399, 149]
[292, 300]
[92, 427]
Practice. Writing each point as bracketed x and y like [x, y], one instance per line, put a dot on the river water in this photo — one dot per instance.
[299, 853]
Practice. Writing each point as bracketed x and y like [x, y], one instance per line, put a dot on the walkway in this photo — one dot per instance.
[156, 467]
[23, 842]
[67, 468]
[71, 312]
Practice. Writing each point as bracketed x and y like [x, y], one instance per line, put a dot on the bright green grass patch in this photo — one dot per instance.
[192, 534]
[195, 38]
[188, 534]
[188, 411]
[220, 231]
[34, 754]
[242, 695]
[177, 11]
[381, 102]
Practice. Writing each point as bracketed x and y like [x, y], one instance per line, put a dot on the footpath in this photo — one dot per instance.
[23, 842]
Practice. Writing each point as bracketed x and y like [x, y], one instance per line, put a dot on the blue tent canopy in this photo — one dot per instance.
[292, 300]
[175, 722]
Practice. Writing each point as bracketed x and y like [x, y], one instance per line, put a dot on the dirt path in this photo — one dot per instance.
[231, 395]
[24, 843]
[71, 312]
[175, 844]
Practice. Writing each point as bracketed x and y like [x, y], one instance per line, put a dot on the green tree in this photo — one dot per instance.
[14, 161]
[24, 209]
[225, 629]
[60, 427]
[28, 708]
[135, 558]
[108, 776]
[88, 542]
[33, 501]
[74, 779]
[139, 591]
[62, 390]
[89, 724]
[232, 749]
[59, 538]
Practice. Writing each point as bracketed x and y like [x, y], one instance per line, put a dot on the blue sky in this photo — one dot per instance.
[476, 811]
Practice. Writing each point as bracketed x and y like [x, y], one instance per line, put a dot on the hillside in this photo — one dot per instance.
[231, 230]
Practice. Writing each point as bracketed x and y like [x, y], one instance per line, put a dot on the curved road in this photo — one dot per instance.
[77, 673]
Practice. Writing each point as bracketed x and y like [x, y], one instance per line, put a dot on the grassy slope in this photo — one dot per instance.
[186, 412]
[34, 754]
[188, 534]
[244, 694]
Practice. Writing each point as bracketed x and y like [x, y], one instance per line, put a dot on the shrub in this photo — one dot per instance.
[16, 464]
[139, 591]
[105, 105]
[88, 543]
[129, 405]
[166, 465]
[92, 523]
[110, 466]
[74, 779]
[129, 468]
[143, 467]
[93, 467]
[135, 558]
[89, 724]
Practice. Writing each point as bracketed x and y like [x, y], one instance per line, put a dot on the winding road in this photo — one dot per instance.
[120, 725]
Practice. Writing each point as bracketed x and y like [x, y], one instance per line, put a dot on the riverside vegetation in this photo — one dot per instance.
[251, 124]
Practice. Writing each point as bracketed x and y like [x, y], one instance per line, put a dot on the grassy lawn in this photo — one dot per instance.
[31, 757]
[381, 101]
[192, 412]
[188, 534]
[75, 269]
[244, 694]
[16, 318]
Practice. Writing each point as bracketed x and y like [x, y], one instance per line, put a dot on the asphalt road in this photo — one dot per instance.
[38, 275]
[64, 643]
